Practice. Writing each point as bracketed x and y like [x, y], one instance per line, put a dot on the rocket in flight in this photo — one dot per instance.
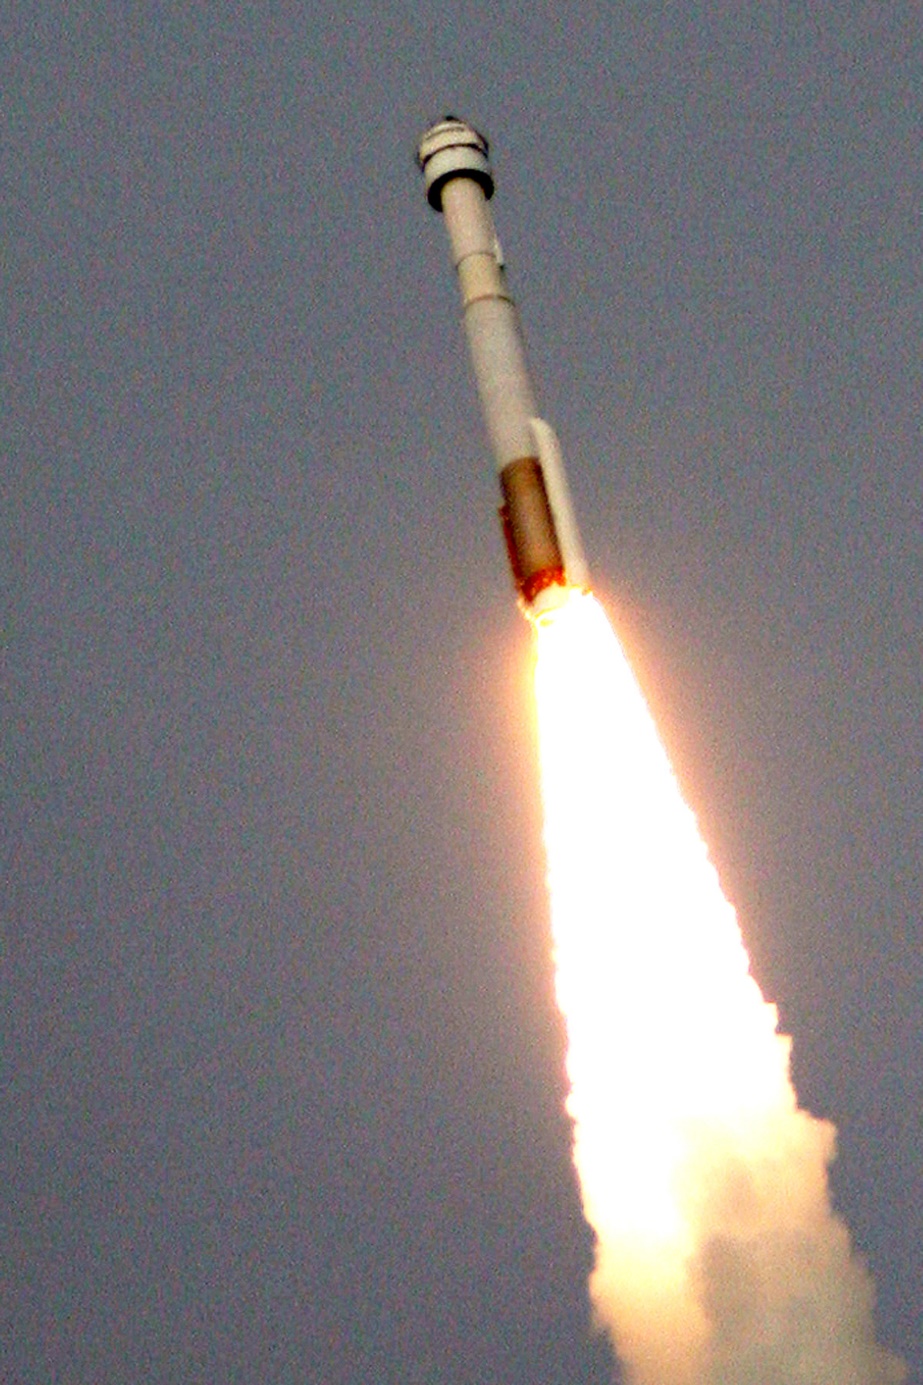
[538, 520]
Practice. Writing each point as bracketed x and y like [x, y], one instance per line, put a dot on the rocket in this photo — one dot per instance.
[537, 516]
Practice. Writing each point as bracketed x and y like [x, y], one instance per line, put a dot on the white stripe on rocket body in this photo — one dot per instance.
[538, 520]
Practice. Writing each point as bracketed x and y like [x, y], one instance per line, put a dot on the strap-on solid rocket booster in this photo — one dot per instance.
[538, 520]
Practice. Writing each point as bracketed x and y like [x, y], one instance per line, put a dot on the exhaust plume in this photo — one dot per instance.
[719, 1260]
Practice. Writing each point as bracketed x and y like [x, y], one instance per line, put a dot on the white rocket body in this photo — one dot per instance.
[538, 520]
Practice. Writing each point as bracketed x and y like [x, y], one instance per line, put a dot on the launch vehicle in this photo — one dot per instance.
[538, 520]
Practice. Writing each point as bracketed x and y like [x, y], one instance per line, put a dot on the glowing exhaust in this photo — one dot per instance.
[718, 1256]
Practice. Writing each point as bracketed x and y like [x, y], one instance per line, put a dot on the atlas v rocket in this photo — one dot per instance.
[538, 520]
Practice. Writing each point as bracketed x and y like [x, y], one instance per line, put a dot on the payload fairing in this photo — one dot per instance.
[538, 520]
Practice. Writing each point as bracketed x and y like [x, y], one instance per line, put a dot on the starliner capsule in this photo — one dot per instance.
[538, 520]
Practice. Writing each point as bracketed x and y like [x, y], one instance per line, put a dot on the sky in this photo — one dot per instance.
[281, 1074]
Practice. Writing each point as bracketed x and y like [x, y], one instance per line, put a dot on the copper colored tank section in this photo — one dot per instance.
[528, 526]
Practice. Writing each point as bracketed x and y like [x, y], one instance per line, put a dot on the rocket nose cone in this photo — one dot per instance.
[451, 149]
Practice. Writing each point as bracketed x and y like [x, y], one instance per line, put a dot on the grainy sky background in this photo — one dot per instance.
[281, 1081]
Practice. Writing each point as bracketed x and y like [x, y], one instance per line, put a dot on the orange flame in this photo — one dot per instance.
[704, 1183]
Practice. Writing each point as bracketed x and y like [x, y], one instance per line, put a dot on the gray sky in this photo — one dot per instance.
[282, 1079]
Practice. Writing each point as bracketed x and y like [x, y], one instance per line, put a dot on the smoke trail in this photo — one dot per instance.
[719, 1258]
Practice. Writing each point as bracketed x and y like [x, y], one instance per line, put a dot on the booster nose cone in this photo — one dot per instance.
[450, 149]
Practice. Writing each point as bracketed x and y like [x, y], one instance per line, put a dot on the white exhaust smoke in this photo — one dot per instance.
[719, 1260]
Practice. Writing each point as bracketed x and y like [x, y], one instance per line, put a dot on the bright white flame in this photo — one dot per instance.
[718, 1257]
